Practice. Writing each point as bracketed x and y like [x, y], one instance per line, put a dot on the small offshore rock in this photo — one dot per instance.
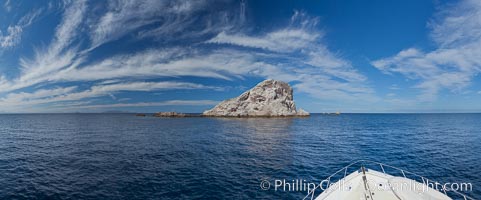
[170, 114]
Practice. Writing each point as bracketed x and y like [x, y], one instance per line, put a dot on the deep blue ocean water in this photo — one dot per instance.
[121, 156]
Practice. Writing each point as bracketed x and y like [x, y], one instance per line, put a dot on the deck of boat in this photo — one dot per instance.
[369, 184]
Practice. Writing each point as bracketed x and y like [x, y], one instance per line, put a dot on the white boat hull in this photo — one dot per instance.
[373, 185]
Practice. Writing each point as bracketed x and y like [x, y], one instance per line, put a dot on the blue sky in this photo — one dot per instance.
[149, 55]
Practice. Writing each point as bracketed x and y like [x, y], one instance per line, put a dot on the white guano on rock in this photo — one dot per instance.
[270, 98]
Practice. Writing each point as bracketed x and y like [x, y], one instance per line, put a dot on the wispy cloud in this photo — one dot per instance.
[151, 104]
[16, 101]
[12, 36]
[215, 45]
[172, 19]
[300, 34]
[7, 5]
[223, 64]
[316, 67]
[64, 54]
[90, 106]
[60, 53]
[456, 60]
[285, 40]
[21, 97]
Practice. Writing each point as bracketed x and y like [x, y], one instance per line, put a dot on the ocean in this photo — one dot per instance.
[122, 156]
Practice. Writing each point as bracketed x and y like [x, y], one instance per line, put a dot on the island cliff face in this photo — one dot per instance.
[270, 98]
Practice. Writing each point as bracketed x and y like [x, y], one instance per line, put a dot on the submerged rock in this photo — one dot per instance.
[270, 98]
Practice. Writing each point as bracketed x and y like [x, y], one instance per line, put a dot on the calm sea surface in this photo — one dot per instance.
[120, 156]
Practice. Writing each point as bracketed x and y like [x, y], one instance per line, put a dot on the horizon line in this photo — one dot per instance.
[316, 113]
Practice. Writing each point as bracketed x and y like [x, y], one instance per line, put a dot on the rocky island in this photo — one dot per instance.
[270, 98]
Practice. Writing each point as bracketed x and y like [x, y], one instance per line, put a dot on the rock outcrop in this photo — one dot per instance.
[269, 98]
[170, 114]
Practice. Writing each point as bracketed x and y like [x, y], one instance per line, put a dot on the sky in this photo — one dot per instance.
[186, 56]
